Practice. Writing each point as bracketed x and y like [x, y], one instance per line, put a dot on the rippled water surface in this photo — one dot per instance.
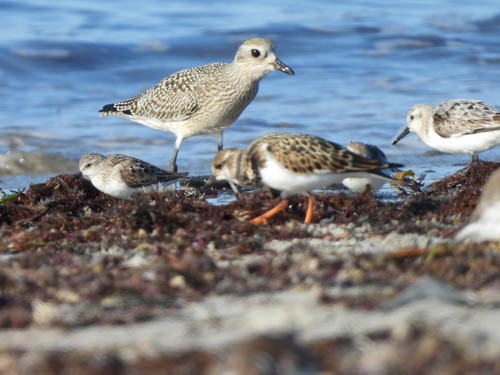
[360, 65]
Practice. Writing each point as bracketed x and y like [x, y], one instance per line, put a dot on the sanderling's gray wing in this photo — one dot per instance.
[138, 173]
[463, 116]
[175, 98]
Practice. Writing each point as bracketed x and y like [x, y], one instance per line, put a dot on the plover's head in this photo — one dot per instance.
[91, 164]
[257, 58]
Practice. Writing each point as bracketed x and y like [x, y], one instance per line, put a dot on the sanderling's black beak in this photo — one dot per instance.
[282, 67]
[401, 135]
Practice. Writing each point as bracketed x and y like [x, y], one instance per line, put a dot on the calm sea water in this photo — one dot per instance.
[360, 65]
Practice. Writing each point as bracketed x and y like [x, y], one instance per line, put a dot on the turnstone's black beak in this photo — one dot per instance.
[401, 135]
[213, 181]
[282, 67]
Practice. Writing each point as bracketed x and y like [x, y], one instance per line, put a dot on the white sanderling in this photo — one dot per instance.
[358, 184]
[204, 99]
[294, 164]
[484, 224]
[456, 126]
[121, 176]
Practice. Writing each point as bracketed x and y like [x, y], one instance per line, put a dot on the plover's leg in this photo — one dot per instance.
[219, 140]
[310, 208]
[173, 161]
[262, 219]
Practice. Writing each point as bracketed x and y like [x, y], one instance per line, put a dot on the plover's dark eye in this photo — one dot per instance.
[412, 117]
[88, 165]
[255, 52]
[218, 166]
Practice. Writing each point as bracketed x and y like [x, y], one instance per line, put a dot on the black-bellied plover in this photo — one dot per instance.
[484, 224]
[456, 126]
[204, 99]
[121, 176]
[294, 164]
[359, 184]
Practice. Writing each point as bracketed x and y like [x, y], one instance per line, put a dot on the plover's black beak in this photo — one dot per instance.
[401, 135]
[282, 67]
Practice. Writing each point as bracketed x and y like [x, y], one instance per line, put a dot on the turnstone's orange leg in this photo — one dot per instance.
[310, 208]
[262, 219]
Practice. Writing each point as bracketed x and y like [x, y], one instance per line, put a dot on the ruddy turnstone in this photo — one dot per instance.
[457, 126]
[121, 176]
[294, 164]
[204, 99]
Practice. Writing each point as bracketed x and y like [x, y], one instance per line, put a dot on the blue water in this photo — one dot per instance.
[360, 65]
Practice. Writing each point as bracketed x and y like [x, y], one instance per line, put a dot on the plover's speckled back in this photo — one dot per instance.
[456, 126]
[294, 163]
[484, 223]
[203, 99]
[121, 176]
[359, 184]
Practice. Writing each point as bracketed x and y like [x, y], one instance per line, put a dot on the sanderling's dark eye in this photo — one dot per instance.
[218, 166]
[88, 165]
[255, 53]
[412, 117]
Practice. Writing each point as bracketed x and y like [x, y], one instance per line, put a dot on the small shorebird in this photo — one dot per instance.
[204, 99]
[294, 164]
[457, 126]
[484, 223]
[121, 176]
[359, 184]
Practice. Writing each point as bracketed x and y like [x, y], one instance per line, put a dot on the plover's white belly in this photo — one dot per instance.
[215, 115]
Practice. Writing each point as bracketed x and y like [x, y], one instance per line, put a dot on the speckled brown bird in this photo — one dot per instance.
[204, 99]
[294, 164]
